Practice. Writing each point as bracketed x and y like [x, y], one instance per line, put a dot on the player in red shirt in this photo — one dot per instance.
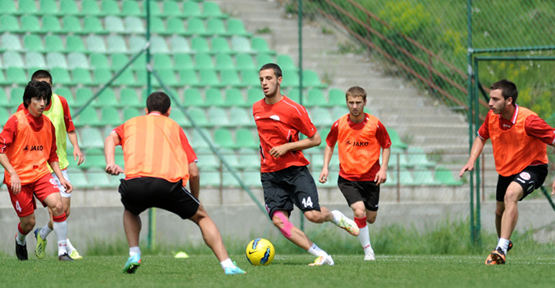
[519, 139]
[27, 146]
[360, 138]
[285, 178]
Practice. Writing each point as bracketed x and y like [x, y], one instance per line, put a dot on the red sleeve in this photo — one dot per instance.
[20, 107]
[536, 127]
[332, 136]
[8, 134]
[119, 131]
[484, 129]
[67, 115]
[191, 156]
[383, 136]
[53, 155]
[301, 121]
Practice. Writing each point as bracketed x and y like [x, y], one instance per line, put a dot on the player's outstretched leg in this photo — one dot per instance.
[345, 223]
[323, 260]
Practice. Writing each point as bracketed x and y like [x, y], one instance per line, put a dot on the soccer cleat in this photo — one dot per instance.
[510, 246]
[234, 271]
[369, 257]
[21, 251]
[348, 225]
[496, 257]
[132, 264]
[75, 255]
[64, 257]
[41, 245]
[322, 260]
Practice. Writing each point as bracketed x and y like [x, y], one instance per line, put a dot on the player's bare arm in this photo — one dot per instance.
[325, 169]
[109, 153]
[194, 179]
[477, 148]
[278, 151]
[381, 176]
[77, 154]
[14, 178]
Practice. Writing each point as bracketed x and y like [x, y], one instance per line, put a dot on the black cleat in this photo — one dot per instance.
[510, 246]
[21, 251]
[65, 257]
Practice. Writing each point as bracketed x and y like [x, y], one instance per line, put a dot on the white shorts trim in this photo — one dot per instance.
[60, 186]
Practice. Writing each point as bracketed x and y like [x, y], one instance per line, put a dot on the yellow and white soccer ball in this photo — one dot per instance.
[260, 252]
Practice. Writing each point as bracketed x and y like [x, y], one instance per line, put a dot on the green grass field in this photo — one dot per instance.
[285, 271]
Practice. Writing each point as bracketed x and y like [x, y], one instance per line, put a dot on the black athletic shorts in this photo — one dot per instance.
[366, 191]
[531, 178]
[292, 185]
[139, 194]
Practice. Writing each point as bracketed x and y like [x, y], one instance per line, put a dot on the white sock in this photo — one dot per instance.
[134, 250]
[61, 232]
[227, 263]
[503, 244]
[20, 238]
[45, 231]
[364, 238]
[316, 251]
[336, 216]
[70, 247]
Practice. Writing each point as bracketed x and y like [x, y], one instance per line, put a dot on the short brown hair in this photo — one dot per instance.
[159, 102]
[508, 89]
[356, 91]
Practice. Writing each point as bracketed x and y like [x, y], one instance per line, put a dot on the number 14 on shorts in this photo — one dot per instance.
[307, 202]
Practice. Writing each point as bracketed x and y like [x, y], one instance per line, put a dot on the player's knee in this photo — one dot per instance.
[28, 225]
[283, 224]
[511, 196]
[57, 209]
[371, 219]
[359, 213]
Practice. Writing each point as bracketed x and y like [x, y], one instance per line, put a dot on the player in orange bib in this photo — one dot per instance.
[27, 147]
[158, 164]
[285, 178]
[360, 137]
[518, 137]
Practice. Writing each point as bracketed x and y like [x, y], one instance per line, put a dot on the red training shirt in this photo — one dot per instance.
[67, 116]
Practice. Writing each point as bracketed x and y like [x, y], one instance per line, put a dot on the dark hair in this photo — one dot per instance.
[37, 89]
[159, 102]
[41, 74]
[275, 67]
[508, 89]
[356, 91]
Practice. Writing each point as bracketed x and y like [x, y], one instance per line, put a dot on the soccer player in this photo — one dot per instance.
[27, 146]
[285, 178]
[359, 137]
[518, 137]
[58, 113]
[158, 163]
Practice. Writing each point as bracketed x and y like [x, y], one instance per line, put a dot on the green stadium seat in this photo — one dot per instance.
[183, 61]
[203, 61]
[179, 45]
[82, 96]
[137, 43]
[212, 10]
[200, 45]
[216, 26]
[229, 157]
[110, 116]
[131, 8]
[263, 59]
[294, 94]
[98, 178]
[195, 26]
[61, 76]
[10, 42]
[106, 99]
[87, 117]
[114, 24]
[424, 177]
[250, 78]
[316, 98]
[82, 76]
[417, 158]
[126, 78]
[191, 9]
[209, 78]
[3, 80]
[311, 79]
[175, 26]
[56, 60]
[245, 62]
[4, 102]
[8, 7]
[16, 97]
[53, 43]
[99, 61]
[249, 159]
[129, 98]
[323, 135]
[158, 45]
[321, 116]
[336, 97]
[168, 77]
[110, 7]
[94, 156]
[220, 45]
[230, 78]
[193, 98]
[154, 10]
[51, 24]
[210, 179]
[252, 179]
[9, 23]
[339, 111]
[241, 45]
[139, 63]
[237, 28]
[13, 59]
[199, 118]
[261, 46]
[48, 7]
[75, 44]
[35, 60]
[214, 98]
[197, 141]
[116, 44]
[218, 117]
[396, 139]
[16, 75]
[71, 24]
[32, 42]
[93, 25]
[445, 177]
[90, 7]
[77, 60]
[397, 158]
[171, 9]
[240, 118]
[78, 177]
[188, 77]
[244, 139]
[162, 61]
[68, 7]
[95, 44]
[27, 7]
[234, 98]
[178, 116]
[129, 113]
[207, 159]
[119, 61]
[285, 62]
[223, 138]
[134, 25]
[254, 95]
[66, 93]
[157, 26]
[30, 23]
[290, 79]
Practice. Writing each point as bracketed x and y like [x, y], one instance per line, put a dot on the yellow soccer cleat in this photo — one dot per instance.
[75, 255]
[41, 244]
